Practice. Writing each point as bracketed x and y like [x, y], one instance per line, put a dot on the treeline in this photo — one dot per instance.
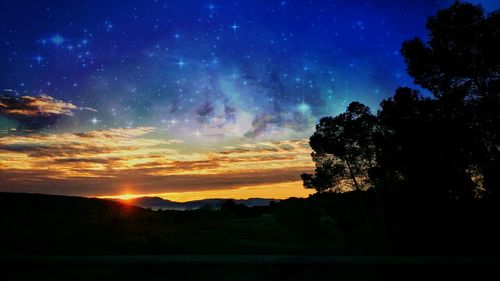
[431, 163]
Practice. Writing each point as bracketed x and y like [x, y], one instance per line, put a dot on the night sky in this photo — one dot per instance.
[171, 91]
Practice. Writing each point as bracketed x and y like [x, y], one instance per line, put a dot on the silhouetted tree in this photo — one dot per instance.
[418, 150]
[343, 149]
[461, 57]
[460, 65]
[434, 162]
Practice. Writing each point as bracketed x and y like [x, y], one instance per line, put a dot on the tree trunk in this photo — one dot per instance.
[353, 177]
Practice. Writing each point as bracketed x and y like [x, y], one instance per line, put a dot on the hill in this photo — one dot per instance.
[157, 203]
[33, 204]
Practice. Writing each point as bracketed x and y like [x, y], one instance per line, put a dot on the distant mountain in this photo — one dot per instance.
[156, 203]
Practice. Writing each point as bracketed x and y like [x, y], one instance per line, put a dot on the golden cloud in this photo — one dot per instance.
[34, 112]
[125, 160]
[42, 105]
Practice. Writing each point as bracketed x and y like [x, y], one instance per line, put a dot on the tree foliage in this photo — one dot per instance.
[343, 149]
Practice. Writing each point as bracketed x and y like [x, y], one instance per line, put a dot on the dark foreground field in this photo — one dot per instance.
[43, 224]
[69, 238]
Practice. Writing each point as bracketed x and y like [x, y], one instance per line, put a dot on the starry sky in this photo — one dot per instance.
[187, 99]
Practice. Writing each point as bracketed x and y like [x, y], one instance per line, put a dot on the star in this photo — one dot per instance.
[57, 39]
[234, 27]
[94, 121]
[303, 107]
[181, 63]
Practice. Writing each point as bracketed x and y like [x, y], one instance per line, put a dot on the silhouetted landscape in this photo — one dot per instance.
[107, 235]
[73, 225]
[324, 224]
[418, 179]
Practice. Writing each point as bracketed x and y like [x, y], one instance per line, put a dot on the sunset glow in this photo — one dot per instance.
[274, 191]
[144, 161]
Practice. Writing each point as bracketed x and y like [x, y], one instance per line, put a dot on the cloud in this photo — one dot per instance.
[44, 182]
[203, 111]
[260, 124]
[35, 112]
[103, 162]
[98, 142]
